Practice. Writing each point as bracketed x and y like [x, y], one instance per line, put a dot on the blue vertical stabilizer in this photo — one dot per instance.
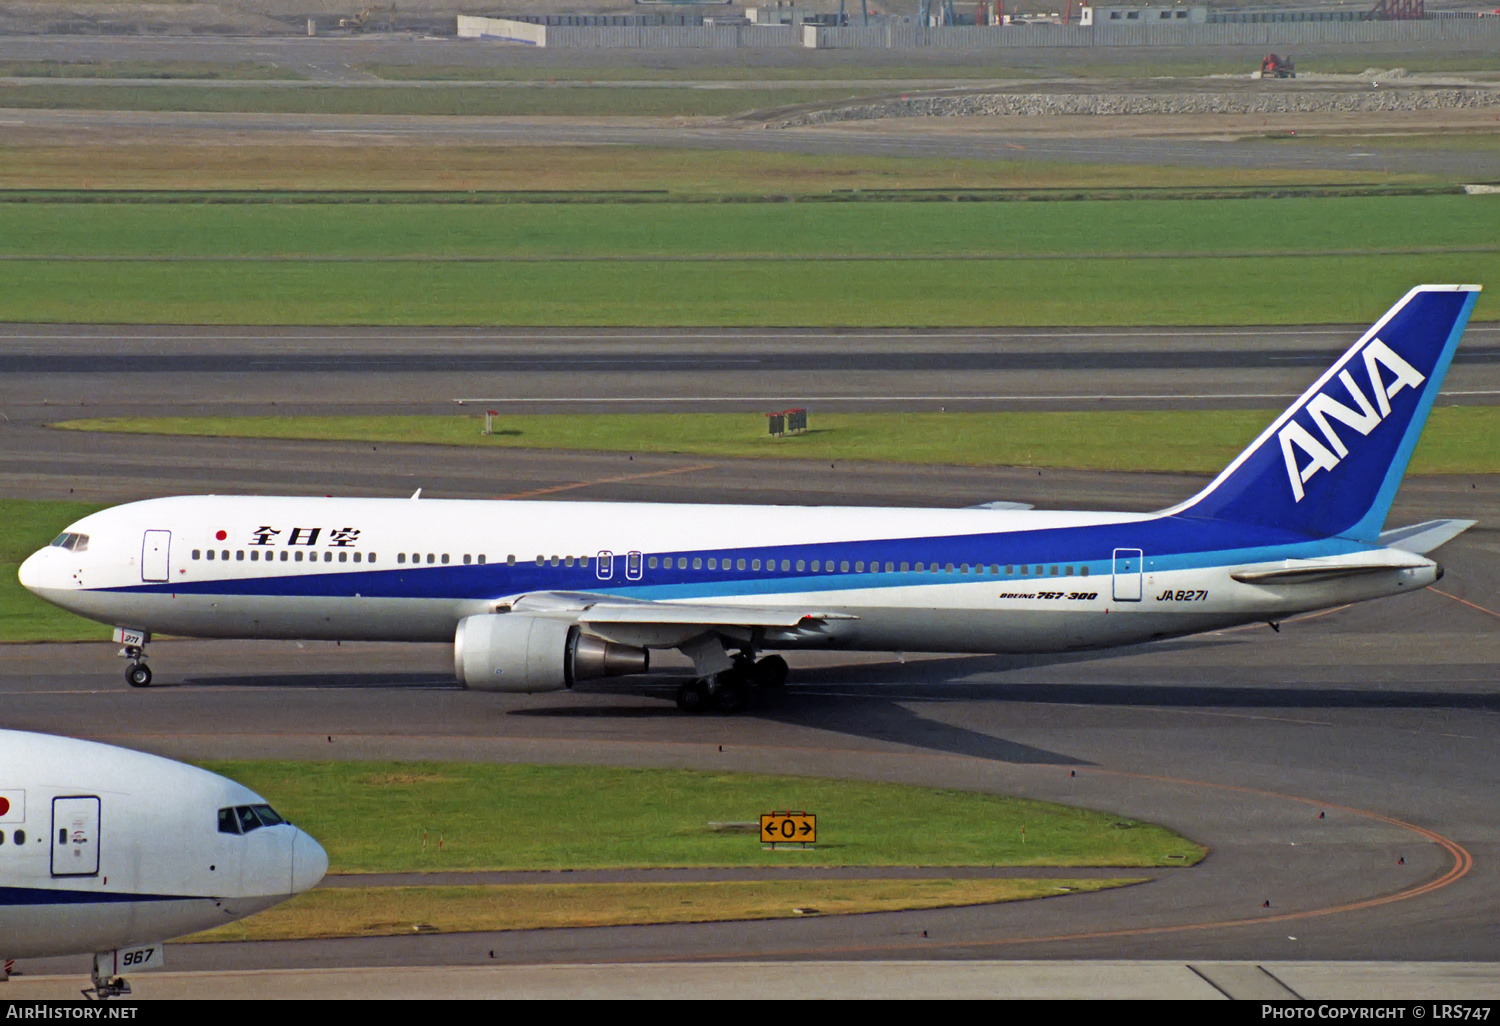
[1330, 465]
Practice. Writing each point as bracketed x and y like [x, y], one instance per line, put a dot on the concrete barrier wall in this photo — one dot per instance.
[1458, 33]
[666, 37]
[1467, 33]
[501, 28]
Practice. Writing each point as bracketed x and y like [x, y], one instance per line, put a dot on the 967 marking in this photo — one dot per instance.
[1182, 596]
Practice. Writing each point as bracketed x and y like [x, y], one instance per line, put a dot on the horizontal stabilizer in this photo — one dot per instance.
[1315, 574]
[1002, 505]
[1424, 537]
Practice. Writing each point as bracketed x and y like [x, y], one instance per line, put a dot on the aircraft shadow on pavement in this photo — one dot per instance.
[393, 681]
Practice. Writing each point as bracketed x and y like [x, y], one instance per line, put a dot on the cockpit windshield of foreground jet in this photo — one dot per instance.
[538, 595]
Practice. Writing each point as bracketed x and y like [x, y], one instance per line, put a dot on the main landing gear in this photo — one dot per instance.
[728, 692]
[137, 674]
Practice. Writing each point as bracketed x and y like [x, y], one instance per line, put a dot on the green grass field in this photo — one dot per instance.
[600, 101]
[1312, 226]
[190, 70]
[1458, 439]
[736, 293]
[869, 264]
[388, 911]
[25, 526]
[452, 172]
[390, 817]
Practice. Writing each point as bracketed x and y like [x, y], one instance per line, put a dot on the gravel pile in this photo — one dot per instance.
[1040, 104]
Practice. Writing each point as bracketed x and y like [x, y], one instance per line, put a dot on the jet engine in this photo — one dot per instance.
[516, 652]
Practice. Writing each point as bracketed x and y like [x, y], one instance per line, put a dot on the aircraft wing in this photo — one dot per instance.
[672, 624]
[1424, 537]
[1002, 505]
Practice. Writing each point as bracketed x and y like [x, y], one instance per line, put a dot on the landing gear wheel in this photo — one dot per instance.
[138, 675]
[732, 695]
[693, 697]
[770, 672]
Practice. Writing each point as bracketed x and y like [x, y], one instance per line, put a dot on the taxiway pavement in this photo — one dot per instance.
[1382, 716]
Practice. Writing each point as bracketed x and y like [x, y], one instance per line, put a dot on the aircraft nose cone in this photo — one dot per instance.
[31, 573]
[309, 863]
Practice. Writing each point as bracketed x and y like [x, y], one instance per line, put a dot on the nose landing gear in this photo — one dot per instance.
[137, 674]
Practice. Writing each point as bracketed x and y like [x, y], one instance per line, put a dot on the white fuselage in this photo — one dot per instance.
[105, 848]
[971, 580]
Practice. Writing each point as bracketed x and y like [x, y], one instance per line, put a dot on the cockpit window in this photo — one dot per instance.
[267, 815]
[72, 542]
[241, 819]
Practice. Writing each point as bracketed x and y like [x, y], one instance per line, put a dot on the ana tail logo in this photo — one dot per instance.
[1324, 408]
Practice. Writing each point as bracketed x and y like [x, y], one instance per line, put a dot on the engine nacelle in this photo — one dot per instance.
[517, 652]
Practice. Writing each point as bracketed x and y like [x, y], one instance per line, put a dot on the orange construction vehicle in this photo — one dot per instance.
[1277, 67]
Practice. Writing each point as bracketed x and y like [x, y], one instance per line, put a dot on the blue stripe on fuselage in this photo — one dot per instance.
[1169, 543]
[50, 896]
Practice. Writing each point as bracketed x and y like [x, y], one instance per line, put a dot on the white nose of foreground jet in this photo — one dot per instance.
[309, 863]
[33, 572]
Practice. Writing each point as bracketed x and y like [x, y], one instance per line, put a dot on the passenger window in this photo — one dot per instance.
[739, 564]
[568, 561]
[19, 837]
[713, 564]
[844, 567]
[682, 562]
[651, 562]
[467, 559]
[229, 823]
[431, 558]
[697, 562]
[950, 568]
[1025, 570]
[239, 555]
[510, 560]
[1067, 571]
[357, 555]
[816, 564]
[995, 569]
[801, 566]
[786, 564]
[254, 556]
[210, 553]
[1054, 571]
[371, 558]
[224, 554]
[284, 556]
[755, 564]
[962, 569]
[298, 556]
[921, 567]
[1083, 572]
[541, 561]
[400, 557]
[196, 552]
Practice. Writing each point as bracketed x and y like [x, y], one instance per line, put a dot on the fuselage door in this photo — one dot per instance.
[155, 549]
[604, 566]
[75, 836]
[633, 566]
[1128, 575]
